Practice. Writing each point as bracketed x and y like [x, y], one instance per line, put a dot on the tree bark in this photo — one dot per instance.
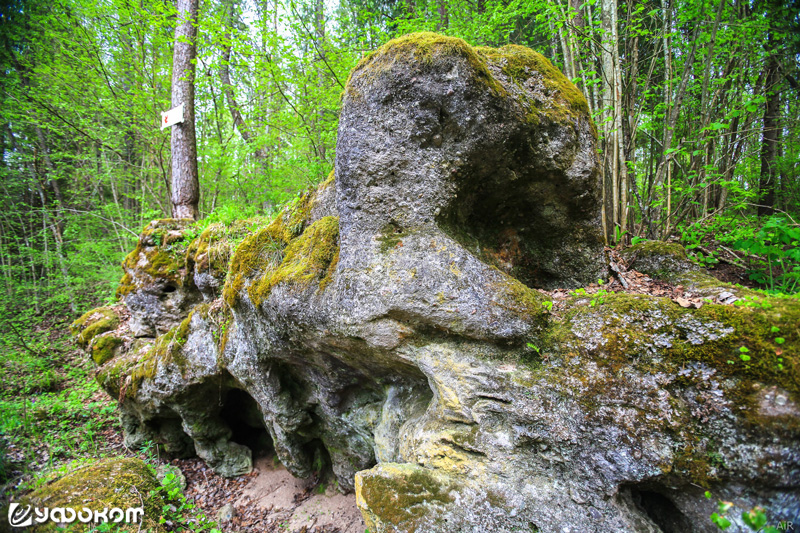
[769, 140]
[185, 183]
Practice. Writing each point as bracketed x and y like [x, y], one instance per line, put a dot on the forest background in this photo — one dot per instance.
[697, 104]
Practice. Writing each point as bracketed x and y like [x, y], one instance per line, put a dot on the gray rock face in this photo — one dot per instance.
[493, 147]
[387, 327]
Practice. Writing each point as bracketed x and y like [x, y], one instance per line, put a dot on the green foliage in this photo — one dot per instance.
[777, 247]
[46, 424]
[179, 513]
[755, 518]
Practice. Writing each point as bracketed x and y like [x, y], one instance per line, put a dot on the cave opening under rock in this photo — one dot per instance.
[660, 509]
[242, 415]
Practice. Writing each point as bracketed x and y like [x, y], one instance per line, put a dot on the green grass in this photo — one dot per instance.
[54, 417]
[52, 411]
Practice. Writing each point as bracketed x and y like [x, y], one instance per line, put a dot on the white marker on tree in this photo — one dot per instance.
[172, 117]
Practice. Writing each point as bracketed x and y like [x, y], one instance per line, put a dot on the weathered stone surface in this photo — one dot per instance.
[158, 285]
[388, 326]
[659, 259]
[493, 147]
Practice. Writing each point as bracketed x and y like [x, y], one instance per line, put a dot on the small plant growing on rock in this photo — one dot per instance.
[755, 518]
[743, 354]
[599, 296]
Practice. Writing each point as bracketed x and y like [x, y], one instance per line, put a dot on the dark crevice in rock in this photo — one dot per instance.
[321, 464]
[242, 415]
[659, 508]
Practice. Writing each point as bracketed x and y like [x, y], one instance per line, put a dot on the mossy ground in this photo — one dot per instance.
[117, 482]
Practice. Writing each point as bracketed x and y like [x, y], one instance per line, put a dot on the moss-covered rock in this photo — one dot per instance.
[158, 286]
[105, 347]
[94, 323]
[312, 256]
[114, 483]
[396, 314]
[661, 260]
[211, 252]
[558, 100]
[395, 497]
[424, 49]
[287, 249]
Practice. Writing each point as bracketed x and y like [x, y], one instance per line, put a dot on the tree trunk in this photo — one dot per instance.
[769, 140]
[185, 184]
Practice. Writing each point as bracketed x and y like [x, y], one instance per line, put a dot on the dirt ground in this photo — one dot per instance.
[270, 499]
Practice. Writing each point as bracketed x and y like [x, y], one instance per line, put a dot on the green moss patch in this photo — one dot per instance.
[117, 482]
[294, 218]
[213, 249]
[261, 251]
[104, 347]
[257, 253]
[521, 63]
[424, 49]
[390, 236]
[307, 258]
[94, 323]
[167, 349]
[160, 253]
[745, 349]
[737, 341]
[402, 495]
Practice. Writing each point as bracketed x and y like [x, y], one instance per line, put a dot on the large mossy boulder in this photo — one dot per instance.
[114, 483]
[391, 327]
[493, 147]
